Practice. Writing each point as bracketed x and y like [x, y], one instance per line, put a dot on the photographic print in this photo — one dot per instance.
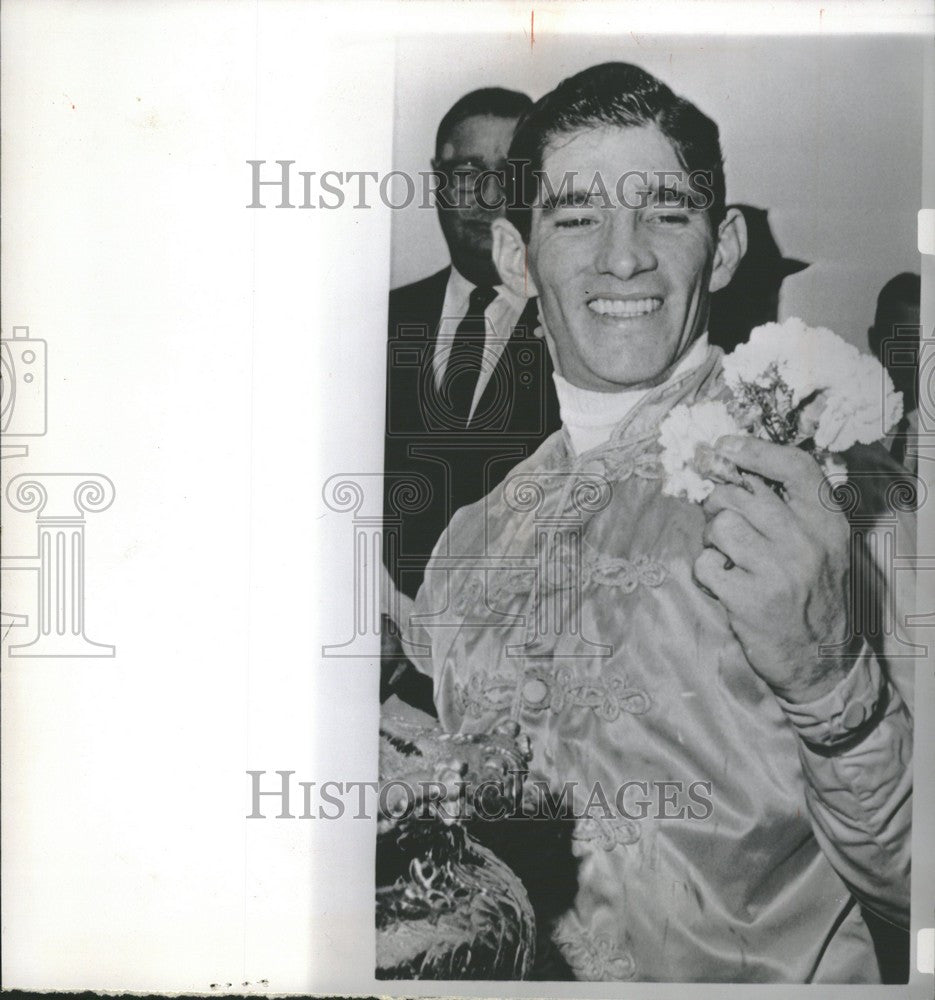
[466, 498]
[650, 469]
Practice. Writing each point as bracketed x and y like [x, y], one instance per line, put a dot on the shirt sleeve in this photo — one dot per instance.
[855, 744]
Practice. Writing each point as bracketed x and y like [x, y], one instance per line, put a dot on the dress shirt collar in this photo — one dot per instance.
[458, 294]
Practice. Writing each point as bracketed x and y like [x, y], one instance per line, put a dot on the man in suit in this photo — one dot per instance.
[469, 383]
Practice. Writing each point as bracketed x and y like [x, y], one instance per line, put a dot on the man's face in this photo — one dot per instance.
[477, 144]
[624, 290]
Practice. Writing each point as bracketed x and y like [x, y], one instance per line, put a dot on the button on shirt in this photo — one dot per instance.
[501, 315]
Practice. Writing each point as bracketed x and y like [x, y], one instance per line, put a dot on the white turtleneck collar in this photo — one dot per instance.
[590, 417]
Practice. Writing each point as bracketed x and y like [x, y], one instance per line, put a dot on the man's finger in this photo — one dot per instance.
[759, 505]
[795, 469]
[717, 581]
[738, 540]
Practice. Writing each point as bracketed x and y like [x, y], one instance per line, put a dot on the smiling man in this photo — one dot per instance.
[628, 289]
[651, 646]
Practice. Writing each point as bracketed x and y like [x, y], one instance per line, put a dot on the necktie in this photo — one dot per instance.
[466, 357]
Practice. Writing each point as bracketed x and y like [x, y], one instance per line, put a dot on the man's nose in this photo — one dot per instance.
[488, 194]
[624, 250]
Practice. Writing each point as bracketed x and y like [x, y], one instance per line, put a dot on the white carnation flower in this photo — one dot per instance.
[681, 434]
[860, 409]
[850, 395]
[791, 384]
[807, 359]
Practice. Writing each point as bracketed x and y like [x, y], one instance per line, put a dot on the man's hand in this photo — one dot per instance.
[787, 590]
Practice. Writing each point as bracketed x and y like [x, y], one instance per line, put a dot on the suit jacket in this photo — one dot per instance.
[433, 466]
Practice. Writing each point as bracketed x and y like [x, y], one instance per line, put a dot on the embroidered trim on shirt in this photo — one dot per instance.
[618, 468]
[510, 583]
[594, 957]
[596, 571]
[608, 697]
[606, 833]
[540, 691]
[624, 573]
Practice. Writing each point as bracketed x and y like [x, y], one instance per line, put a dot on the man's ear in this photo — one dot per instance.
[509, 257]
[731, 246]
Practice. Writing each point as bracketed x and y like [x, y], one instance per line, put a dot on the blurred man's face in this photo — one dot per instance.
[624, 290]
[477, 144]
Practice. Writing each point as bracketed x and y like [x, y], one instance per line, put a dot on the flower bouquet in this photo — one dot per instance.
[791, 384]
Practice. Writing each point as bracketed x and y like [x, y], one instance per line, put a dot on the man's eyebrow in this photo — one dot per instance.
[564, 198]
[661, 185]
[665, 192]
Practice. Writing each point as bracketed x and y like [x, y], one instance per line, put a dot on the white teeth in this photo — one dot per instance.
[625, 307]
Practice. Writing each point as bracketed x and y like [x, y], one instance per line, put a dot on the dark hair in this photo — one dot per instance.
[904, 289]
[495, 101]
[613, 94]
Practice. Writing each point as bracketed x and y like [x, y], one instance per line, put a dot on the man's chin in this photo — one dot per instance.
[477, 269]
[620, 376]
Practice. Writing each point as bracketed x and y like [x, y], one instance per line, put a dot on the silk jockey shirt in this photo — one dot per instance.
[565, 601]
